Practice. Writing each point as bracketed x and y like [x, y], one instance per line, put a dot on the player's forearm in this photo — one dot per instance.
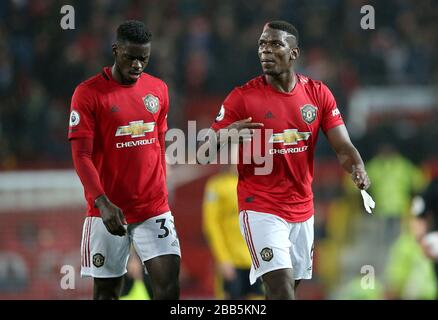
[350, 159]
[87, 172]
[347, 154]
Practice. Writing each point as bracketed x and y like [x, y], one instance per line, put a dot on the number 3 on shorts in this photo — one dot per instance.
[163, 227]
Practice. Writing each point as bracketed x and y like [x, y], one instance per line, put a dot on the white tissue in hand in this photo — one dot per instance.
[368, 202]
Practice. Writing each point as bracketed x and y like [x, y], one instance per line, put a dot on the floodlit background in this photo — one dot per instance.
[384, 80]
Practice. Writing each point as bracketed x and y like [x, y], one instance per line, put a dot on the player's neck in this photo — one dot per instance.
[117, 76]
[284, 82]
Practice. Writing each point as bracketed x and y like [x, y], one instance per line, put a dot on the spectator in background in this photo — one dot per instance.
[408, 272]
[30, 40]
[221, 227]
[355, 290]
[395, 180]
[425, 224]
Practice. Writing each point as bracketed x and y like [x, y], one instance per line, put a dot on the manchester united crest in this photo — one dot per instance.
[98, 260]
[266, 254]
[151, 103]
[308, 112]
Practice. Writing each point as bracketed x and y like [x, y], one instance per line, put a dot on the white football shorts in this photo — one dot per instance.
[104, 255]
[275, 243]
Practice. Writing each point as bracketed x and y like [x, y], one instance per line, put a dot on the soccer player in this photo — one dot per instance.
[276, 209]
[117, 127]
[221, 227]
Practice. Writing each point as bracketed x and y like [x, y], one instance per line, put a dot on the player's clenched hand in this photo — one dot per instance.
[360, 178]
[111, 215]
[244, 129]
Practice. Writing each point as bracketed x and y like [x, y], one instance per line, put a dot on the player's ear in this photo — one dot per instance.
[294, 53]
[114, 49]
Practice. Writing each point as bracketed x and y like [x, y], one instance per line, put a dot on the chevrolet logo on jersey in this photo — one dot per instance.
[289, 137]
[135, 129]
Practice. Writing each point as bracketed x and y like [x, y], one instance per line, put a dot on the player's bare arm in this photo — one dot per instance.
[112, 216]
[348, 156]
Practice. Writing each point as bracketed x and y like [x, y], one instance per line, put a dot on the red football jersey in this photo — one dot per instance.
[295, 119]
[124, 122]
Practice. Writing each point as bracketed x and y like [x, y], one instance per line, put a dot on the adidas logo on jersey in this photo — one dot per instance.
[269, 115]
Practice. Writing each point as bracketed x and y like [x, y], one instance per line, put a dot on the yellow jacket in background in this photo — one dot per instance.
[221, 221]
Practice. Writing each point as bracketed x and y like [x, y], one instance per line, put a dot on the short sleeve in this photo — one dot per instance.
[162, 118]
[231, 111]
[331, 117]
[82, 108]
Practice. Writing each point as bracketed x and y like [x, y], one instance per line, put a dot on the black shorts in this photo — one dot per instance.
[240, 288]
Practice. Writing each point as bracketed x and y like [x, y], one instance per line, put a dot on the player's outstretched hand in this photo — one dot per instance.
[245, 123]
[112, 216]
[360, 178]
[244, 128]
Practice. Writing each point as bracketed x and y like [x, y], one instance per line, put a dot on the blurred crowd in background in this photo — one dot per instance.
[199, 48]
[202, 50]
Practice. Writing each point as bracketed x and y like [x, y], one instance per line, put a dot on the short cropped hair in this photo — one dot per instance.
[133, 31]
[285, 26]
